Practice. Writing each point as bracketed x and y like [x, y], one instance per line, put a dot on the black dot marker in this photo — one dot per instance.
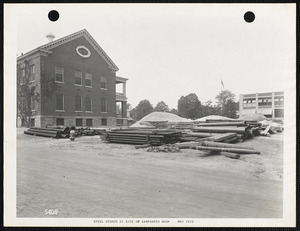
[53, 15]
[249, 16]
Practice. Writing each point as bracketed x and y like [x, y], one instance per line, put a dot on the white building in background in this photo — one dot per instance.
[270, 104]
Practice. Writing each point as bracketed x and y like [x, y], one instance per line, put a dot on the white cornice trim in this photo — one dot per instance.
[47, 47]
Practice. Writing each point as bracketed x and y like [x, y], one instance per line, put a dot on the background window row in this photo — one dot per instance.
[79, 122]
[78, 103]
[88, 78]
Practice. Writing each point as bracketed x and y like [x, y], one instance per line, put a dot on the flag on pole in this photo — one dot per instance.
[222, 84]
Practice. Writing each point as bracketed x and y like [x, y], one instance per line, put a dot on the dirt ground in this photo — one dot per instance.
[92, 178]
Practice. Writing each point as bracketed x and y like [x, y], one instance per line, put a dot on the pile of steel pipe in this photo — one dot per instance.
[153, 137]
[45, 132]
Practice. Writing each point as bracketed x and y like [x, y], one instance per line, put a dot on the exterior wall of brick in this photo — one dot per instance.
[43, 121]
[65, 56]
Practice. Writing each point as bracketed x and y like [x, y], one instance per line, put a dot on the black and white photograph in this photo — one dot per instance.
[150, 115]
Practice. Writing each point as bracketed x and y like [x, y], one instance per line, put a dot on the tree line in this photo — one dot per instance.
[190, 107]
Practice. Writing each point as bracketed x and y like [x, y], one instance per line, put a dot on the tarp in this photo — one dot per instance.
[212, 117]
[253, 117]
[265, 111]
[159, 116]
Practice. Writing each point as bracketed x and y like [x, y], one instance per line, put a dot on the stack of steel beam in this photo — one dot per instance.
[153, 137]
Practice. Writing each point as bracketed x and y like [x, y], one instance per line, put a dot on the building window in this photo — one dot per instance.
[278, 100]
[23, 72]
[89, 122]
[59, 102]
[103, 105]
[103, 84]
[88, 104]
[88, 80]
[78, 122]
[279, 113]
[60, 121]
[22, 79]
[78, 103]
[32, 73]
[265, 102]
[104, 122]
[32, 103]
[78, 78]
[32, 122]
[59, 74]
[249, 102]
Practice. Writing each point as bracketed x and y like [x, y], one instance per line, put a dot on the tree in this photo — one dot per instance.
[189, 106]
[226, 101]
[174, 111]
[209, 109]
[161, 106]
[143, 108]
[48, 85]
[26, 94]
[223, 97]
[230, 109]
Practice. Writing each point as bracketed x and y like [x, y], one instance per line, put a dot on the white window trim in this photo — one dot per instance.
[63, 110]
[91, 78]
[63, 75]
[105, 107]
[91, 106]
[105, 83]
[81, 121]
[89, 119]
[78, 77]
[80, 104]
[106, 121]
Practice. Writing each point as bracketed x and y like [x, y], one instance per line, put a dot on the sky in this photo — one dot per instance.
[171, 50]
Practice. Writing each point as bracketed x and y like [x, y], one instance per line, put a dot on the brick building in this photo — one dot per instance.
[86, 83]
[270, 104]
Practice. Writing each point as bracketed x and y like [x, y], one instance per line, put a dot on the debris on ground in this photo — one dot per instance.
[164, 148]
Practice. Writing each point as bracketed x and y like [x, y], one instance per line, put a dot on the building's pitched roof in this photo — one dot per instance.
[47, 47]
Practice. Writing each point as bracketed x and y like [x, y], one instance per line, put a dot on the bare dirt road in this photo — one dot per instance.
[90, 178]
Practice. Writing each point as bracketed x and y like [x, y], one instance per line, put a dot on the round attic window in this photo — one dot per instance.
[83, 51]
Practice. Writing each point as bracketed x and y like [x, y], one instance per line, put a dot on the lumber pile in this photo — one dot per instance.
[154, 137]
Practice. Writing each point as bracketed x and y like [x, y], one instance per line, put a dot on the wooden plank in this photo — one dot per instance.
[239, 130]
[234, 150]
[187, 145]
[231, 140]
[221, 137]
[142, 146]
[230, 155]
[198, 134]
[224, 145]
[242, 123]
